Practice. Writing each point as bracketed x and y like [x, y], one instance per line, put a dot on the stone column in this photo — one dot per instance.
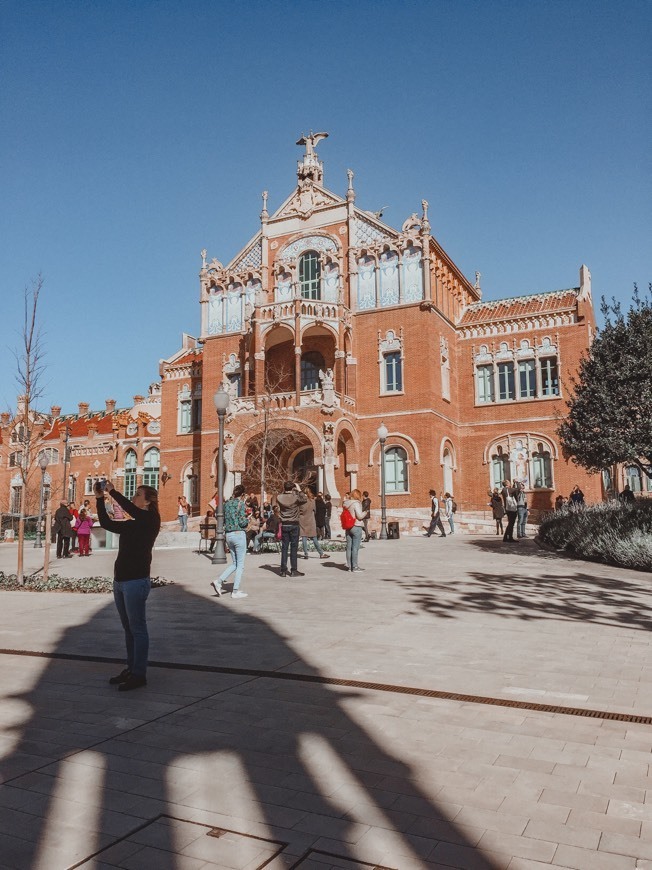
[297, 375]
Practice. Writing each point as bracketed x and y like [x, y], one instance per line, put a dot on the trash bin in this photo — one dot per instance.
[393, 531]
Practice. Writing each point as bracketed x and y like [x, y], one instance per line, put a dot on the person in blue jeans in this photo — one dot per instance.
[131, 582]
[355, 533]
[521, 508]
[235, 524]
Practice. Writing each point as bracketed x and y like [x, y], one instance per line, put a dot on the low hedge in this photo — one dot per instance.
[55, 583]
[614, 533]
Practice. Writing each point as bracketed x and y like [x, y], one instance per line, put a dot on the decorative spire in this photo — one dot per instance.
[203, 253]
[350, 193]
[263, 214]
[478, 275]
[311, 168]
[425, 223]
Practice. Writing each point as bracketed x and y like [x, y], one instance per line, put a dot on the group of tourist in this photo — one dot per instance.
[449, 507]
[294, 515]
[510, 501]
[72, 528]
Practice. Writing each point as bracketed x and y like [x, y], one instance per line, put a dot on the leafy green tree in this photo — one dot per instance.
[610, 413]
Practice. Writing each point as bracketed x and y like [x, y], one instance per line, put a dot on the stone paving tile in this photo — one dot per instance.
[590, 802]
[623, 845]
[521, 847]
[585, 838]
[602, 822]
[585, 859]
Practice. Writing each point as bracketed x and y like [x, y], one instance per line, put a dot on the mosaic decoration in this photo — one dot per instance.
[389, 280]
[284, 288]
[331, 282]
[251, 259]
[412, 275]
[366, 283]
[312, 243]
[215, 314]
[366, 233]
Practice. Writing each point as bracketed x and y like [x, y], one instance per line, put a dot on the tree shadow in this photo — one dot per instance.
[116, 761]
[575, 597]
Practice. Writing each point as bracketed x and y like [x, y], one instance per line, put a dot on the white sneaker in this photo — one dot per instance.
[238, 594]
[217, 586]
[356, 570]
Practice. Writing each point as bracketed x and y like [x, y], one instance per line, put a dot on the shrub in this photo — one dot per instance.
[55, 583]
[614, 533]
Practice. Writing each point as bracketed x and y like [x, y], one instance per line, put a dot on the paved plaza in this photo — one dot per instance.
[390, 719]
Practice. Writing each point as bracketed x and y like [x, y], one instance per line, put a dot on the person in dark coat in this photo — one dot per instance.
[62, 519]
[627, 496]
[329, 511]
[497, 509]
[320, 515]
[509, 494]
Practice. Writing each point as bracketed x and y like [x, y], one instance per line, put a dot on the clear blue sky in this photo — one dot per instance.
[136, 133]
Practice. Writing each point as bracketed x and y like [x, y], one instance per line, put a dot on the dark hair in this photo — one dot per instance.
[238, 491]
[151, 495]
[288, 486]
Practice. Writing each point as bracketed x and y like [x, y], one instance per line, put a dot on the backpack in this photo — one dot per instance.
[454, 505]
[347, 519]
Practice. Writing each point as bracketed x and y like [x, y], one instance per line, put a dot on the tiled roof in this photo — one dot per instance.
[78, 426]
[519, 306]
[191, 356]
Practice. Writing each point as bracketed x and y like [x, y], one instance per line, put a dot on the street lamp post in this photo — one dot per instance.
[43, 464]
[221, 399]
[382, 437]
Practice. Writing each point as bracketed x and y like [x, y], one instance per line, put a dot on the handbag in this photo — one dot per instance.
[511, 503]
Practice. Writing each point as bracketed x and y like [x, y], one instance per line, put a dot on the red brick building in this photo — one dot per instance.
[329, 322]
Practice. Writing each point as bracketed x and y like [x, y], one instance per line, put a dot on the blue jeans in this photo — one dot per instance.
[451, 523]
[522, 519]
[130, 597]
[315, 542]
[289, 541]
[183, 522]
[237, 544]
[261, 537]
[353, 538]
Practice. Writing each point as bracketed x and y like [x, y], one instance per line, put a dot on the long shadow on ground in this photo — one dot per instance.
[141, 742]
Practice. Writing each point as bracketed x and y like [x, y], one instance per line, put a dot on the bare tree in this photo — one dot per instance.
[28, 423]
[269, 452]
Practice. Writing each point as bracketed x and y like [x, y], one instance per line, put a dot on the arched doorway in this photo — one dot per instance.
[304, 469]
[274, 456]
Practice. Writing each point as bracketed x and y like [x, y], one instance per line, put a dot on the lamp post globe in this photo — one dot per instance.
[221, 400]
[43, 463]
[383, 432]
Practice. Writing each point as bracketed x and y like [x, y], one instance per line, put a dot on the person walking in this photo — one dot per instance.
[235, 524]
[521, 510]
[435, 516]
[289, 502]
[62, 526]
[366, 508]
[183, 509]
[83, 528]
[308, 524]
[354, 534]
[509, 494]
[327, 521]
[131, 580]
[449, 513]
[497, 509]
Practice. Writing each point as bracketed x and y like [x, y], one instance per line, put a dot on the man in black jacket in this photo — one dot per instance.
[63, 529]
[288, 502]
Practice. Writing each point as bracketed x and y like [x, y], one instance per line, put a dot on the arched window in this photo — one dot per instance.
[310, 275]
[633, 478]
[130, 474]
[500, 468]
[311, 363]
[151, 467]
[51, 453]
[396, 475]
[541, 468]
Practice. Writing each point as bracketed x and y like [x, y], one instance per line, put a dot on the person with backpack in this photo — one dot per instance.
[352, 520]
[450, 507]
[289, 502]
[435, 516]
